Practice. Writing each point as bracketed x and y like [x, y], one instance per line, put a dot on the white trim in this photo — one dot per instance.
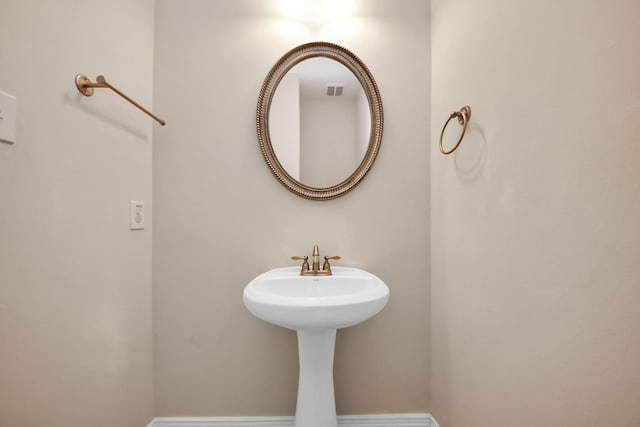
[222, 421]
[378, 420]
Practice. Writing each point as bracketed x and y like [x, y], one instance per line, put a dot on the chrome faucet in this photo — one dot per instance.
[315, 264]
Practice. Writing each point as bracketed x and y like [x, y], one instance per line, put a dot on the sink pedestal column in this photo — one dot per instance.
[316, 405]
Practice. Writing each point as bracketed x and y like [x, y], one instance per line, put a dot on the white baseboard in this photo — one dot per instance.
[378, 420]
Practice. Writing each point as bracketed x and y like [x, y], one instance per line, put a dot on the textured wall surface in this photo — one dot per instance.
[75, 283]
[221, 218]
[535, 231]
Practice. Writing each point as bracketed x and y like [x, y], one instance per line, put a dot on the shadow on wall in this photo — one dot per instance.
[77, 101]
[471, 155]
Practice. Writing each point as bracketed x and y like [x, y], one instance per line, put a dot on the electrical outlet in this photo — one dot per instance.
[137, 215]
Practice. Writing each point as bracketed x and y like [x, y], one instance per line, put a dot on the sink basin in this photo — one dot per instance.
[315, 306]
[285, 298]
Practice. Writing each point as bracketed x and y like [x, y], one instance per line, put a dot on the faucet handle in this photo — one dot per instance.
[326, 266]
[305, 261]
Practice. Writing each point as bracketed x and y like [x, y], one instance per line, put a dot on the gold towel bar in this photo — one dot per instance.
[463, 118]
[85, 86]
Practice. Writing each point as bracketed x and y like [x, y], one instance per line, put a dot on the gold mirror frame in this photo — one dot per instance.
[364, 76]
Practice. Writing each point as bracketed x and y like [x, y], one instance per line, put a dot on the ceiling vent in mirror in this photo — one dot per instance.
[335, 89]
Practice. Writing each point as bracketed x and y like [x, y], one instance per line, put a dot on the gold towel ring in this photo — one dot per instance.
[463, 118]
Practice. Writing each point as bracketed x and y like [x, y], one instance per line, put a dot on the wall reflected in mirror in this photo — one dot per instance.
[319, 122]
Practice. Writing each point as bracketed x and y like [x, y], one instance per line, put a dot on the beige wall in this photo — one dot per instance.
[221, 218]
[75, 283]
[536, 238]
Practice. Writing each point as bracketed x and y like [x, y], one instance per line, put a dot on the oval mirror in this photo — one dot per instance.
[319, 120]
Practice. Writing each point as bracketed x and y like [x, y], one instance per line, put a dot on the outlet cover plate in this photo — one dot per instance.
[137, 215]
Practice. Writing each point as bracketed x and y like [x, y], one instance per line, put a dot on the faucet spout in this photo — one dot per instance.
[315, 256]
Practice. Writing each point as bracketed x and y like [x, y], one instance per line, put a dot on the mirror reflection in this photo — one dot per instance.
[319, 122]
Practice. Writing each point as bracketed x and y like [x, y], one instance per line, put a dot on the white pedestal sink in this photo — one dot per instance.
[315, 306]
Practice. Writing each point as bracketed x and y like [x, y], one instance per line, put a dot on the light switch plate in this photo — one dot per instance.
[137, 215]
[8, 113]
